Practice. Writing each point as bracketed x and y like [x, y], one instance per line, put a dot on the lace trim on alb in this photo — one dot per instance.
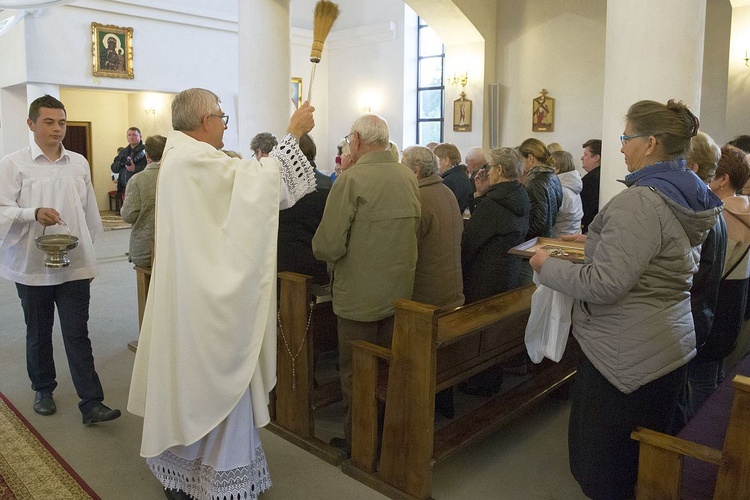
[296, 171]
[202, 482]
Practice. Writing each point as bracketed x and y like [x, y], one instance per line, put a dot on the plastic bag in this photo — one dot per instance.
[549, 323]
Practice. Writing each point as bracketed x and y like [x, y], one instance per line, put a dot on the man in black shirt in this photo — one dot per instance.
[591, 160]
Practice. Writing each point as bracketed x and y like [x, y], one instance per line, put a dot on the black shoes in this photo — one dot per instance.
[100, 413]
[44, 404]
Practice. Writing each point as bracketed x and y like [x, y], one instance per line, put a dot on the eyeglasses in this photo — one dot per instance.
[224, 118]
[625, 138]
[347, 136]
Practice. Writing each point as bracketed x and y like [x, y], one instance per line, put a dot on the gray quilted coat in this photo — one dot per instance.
[632, 314]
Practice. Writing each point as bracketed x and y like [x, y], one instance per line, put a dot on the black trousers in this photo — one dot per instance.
[72, 300]
[603, 457]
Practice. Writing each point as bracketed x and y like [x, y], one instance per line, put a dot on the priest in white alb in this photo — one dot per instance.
[206, 357]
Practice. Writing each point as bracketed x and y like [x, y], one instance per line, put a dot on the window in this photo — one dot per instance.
[430, 86]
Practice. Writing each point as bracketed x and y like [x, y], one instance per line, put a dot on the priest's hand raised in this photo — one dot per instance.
[302, 120]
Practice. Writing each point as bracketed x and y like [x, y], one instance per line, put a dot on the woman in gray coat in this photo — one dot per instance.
[632, 313]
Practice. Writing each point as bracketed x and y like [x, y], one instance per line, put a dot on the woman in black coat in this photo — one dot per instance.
[500, 222]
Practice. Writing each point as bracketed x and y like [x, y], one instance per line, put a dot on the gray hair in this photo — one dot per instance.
[421, 160]
[562, 161]
[703, 152]
[265, 141]
[509, 161]
[190, 106]
[477, 153]
[372, 130]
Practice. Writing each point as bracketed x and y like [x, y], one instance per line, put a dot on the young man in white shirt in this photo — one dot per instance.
[40, 186]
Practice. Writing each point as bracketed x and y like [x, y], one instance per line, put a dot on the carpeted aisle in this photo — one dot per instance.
[112, 221]
[29, 467]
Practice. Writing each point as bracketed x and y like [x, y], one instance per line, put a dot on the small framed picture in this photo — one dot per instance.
[543, 113]
[462, 115]
[296, 92]
[112, 48]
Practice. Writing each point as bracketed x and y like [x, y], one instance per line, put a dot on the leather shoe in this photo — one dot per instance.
[100, 413]
[44, 404]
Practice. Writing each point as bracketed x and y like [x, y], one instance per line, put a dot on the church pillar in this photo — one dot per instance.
[654, 51]
[264, 69]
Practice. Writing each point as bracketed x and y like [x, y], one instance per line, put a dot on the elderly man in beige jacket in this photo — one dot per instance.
[368, 237]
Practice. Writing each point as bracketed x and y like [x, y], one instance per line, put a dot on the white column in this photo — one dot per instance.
[654, 50]
[264, 69]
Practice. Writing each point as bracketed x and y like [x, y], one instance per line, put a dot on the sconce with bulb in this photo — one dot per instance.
[150, 111]
[747, 60]
[460, 79]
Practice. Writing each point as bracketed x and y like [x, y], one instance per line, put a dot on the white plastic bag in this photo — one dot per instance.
[549, 323]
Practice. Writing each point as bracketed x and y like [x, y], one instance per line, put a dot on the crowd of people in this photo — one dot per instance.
[659, 300]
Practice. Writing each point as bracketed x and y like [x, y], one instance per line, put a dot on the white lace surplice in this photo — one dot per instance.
[227, 463]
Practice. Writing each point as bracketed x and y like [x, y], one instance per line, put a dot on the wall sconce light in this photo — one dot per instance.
[747, 60]
[460, 79]
[150, 111]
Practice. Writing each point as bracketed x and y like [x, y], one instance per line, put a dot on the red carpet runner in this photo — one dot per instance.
[29, 467]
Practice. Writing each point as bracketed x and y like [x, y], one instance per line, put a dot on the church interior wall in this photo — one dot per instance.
[713, 109]
[108, 114]
[527, 46]
[559, 47]
[738, 93]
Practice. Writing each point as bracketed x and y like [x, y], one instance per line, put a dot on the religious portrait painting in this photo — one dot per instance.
[543, 113]
[112, 49]
[462, 114]
[296, 92]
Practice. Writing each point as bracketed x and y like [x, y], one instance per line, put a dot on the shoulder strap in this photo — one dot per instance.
[735, 264]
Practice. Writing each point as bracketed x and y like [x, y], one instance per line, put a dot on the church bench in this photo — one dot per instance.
[297, 394]
[692, 465]
[433, 350]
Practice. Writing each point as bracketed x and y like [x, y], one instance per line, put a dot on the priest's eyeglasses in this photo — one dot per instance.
[224, 118]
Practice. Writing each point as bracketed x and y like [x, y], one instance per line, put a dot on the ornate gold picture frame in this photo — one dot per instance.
[296, 92]
[112, 50]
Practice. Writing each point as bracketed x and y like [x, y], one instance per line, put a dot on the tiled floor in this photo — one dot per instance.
[526, 460]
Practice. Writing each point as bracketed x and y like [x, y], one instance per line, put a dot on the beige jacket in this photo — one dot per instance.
[368, 237]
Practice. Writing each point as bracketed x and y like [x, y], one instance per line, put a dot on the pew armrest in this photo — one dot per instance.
[371, 349]
[677, 445]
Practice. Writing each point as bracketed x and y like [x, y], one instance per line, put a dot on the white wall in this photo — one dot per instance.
[560, 47]
[713, 110]
[362, 72]
[738, 93]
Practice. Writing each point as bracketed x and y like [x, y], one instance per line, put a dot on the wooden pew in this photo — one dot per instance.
[661, 456]
[142, 280]
[297, 395]
[431, 351]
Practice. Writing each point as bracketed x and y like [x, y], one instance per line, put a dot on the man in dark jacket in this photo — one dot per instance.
[129, 160]
[297, 224]
[454, 173]
[591, 162]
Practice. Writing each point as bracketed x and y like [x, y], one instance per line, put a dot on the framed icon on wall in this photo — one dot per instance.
[112, 50]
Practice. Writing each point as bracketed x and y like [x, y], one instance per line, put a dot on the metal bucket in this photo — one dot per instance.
[56, 247]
